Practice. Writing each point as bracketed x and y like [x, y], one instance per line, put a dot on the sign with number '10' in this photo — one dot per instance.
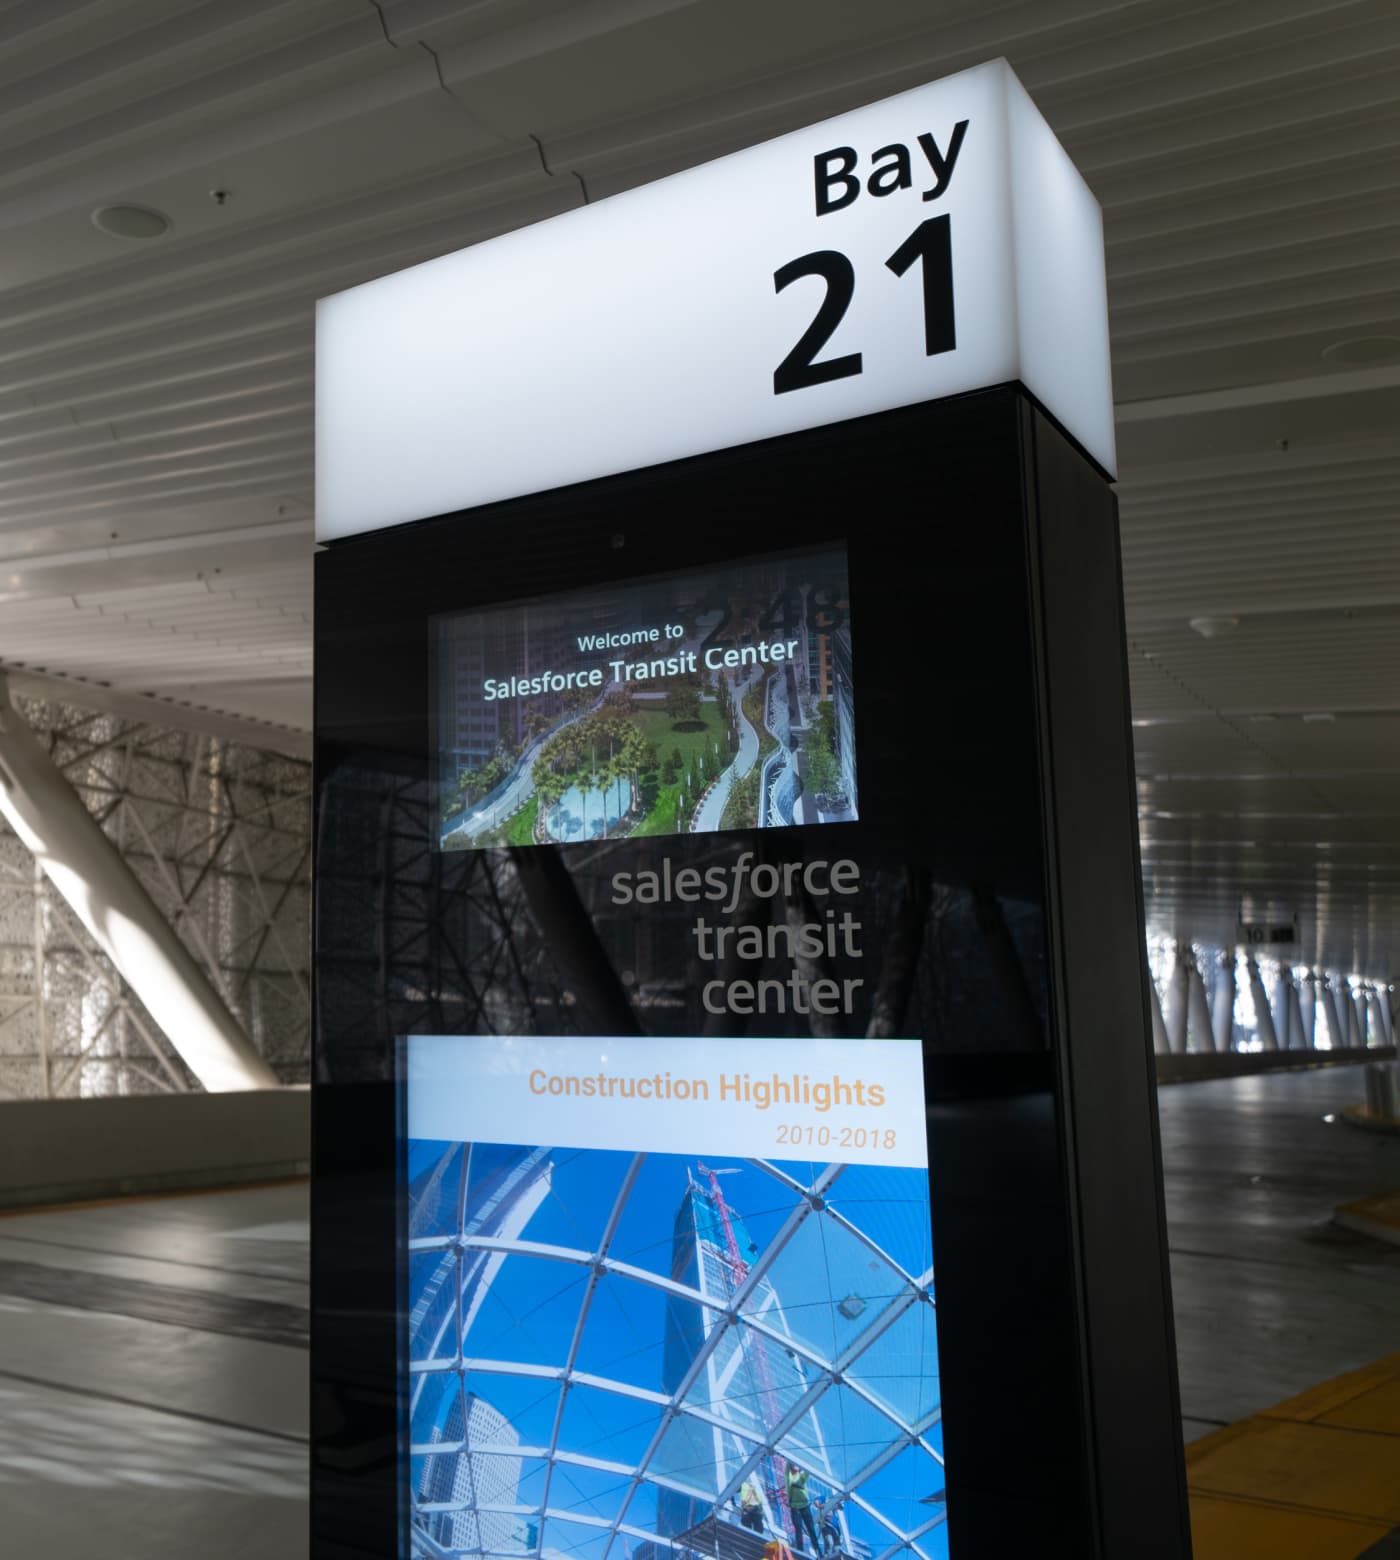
[936, 242]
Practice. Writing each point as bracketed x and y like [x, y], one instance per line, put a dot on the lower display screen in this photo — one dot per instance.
[717, 1341]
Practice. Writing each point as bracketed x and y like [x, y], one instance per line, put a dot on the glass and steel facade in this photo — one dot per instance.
[604, 1347]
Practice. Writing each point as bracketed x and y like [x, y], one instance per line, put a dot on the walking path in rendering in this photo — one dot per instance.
[711, 809]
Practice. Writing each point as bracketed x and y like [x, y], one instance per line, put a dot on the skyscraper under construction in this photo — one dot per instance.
[751, 1378]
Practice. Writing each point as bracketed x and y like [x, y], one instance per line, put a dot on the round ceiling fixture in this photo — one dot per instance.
[1363, 351]
[131, 221]
[1214, 627]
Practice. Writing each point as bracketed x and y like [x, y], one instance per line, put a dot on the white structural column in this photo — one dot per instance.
[1307, 1009]
[1375, 1030]
[1356, 1004]
[1154, 1008]
[1178, 998]
[1296, 1038]
[1327, 1001]
[1379, 1008]
[1282, 1009]
[86, 868]
[1343, 1035]
[1198, 1009]
[1268, 1036]
[1223, 1018]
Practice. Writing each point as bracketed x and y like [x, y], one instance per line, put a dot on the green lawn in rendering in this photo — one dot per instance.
[657, 726]
[521, 828]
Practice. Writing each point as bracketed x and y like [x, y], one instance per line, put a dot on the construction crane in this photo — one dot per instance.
[767, 1393]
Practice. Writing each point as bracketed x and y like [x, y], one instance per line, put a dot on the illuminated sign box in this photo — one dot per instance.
[937, 242]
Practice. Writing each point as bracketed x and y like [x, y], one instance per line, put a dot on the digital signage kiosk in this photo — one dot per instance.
[734, 1134]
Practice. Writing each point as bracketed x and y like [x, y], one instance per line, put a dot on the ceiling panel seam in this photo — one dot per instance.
[1231, 722]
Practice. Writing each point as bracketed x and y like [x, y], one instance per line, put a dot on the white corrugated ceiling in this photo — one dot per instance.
[155, 399]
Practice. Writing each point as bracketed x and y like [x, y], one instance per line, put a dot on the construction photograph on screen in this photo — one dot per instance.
[681, 1349]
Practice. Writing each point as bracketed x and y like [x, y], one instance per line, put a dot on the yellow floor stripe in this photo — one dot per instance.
[1236, 1530]
[1378, 1217]
[1314, 1478]
[1359, 1116]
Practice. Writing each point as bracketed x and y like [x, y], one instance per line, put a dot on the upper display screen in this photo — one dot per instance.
[710, 699]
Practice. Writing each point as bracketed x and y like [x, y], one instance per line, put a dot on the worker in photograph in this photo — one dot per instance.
[751, 1505]
[827, 1526]
[800, 1504]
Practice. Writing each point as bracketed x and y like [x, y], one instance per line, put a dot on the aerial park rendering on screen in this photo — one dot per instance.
[699, 701]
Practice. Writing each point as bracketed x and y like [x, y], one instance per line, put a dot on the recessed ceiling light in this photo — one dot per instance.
[1363, 351]
[131, 221]
[1318, 716]
[1214, 627]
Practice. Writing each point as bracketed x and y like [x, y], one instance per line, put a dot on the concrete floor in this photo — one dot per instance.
[145, 1412]
[1270, 1296]
[153, 1400]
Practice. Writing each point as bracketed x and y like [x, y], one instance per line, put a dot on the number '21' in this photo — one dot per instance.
[930, 243]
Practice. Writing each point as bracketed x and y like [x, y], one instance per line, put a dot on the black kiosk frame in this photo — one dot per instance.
[1003, 922]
